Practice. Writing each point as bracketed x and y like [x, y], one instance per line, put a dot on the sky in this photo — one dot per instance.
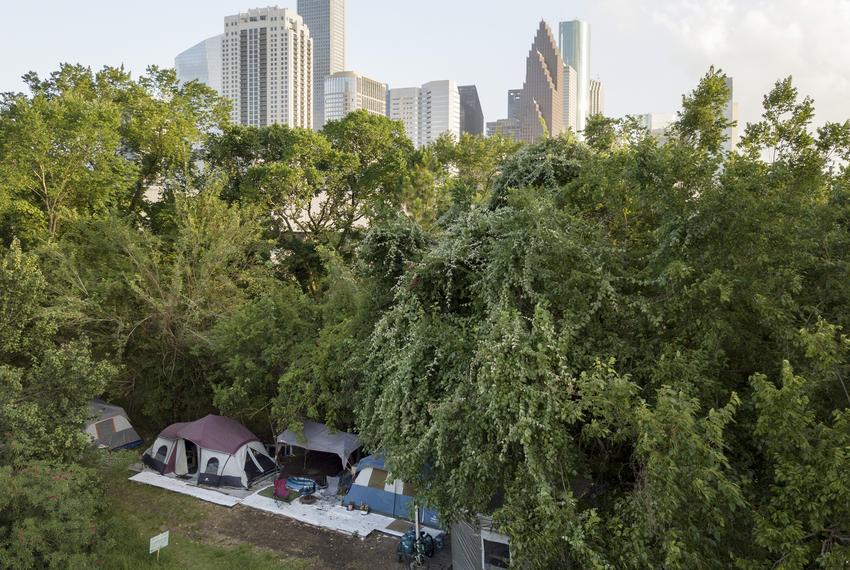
[647, 53]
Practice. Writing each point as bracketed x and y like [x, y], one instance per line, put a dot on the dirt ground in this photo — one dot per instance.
[326, 549]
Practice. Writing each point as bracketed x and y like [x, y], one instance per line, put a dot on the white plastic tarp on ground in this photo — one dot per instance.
[318, 437]
[185, 488]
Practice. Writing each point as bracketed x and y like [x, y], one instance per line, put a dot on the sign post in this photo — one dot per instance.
[158, 542]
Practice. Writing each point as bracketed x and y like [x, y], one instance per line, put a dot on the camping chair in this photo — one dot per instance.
[281, 493]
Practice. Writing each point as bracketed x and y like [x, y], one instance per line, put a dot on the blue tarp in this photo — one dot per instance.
[383, 501]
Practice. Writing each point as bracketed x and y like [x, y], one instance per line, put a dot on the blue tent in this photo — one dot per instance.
[383, 495]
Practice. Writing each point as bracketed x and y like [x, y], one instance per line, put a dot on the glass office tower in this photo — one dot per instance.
[574, 41]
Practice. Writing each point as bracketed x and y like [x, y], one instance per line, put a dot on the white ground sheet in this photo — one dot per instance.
[185, 488]
[328, 513]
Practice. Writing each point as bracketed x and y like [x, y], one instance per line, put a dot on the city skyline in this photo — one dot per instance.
[678, 40]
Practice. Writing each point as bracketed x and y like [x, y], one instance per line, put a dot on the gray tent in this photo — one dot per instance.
[479, 546]
[318, 437]
[110, 427]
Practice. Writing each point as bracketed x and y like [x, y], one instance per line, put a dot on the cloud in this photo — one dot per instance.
[755, 41]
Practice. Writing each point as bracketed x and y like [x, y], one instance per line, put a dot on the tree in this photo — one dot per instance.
[46, 387]
[702, 121]
[165, 294]
[49, 502]
[585, 357]
[381, 152]
[59, 158]
[49, 516]
[164, 123]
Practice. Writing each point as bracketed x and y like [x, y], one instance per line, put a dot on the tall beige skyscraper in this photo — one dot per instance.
[542, 104]
[596, 105]
[326, 21]
[347, 91]
[267, 68]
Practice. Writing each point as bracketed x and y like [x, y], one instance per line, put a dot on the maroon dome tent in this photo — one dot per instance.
[218, 451]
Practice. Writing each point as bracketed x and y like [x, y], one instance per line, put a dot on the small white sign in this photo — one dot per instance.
[159, 542]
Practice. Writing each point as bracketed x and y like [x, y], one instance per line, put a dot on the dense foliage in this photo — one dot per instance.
[632, 352]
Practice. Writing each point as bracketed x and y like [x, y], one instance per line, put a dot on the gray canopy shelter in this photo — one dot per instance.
[110, 427]
[318, 437]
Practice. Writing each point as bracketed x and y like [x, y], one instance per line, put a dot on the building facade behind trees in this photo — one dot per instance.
[347, 91]
[267, 68]
[428, 111]
[471, 113]
[514, 100]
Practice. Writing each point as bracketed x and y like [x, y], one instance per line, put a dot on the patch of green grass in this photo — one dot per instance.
[138, 512]
[269, 494]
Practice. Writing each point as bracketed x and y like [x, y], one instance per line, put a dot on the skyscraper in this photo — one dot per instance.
[542, 104]
[267, 69]
[596, 100]
[201, 63]
[471, 114]
[570, 93]
[326, 21]
[428, 111]
[439, 111]
[514, 99]
[346, 92]
[403, 105]
[508, 128]
[574, 39]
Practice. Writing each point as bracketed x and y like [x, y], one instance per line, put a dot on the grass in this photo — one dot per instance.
[269, 494]
[138, 512]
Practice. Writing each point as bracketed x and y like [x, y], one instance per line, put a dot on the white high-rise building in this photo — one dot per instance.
[267, 68]
[656, 121]
[428, 111]
[403, 105]
[596, 100]
[570, 93]
[347, 91]
[658, 124]
[439, 111]
[201, 63]
[326, 20]
[574, 41]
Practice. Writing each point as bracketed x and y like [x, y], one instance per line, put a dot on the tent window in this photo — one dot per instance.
[212, 467]
[378, 479]
[161, 453]
[496, 554]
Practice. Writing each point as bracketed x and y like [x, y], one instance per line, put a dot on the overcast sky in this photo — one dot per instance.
[646, 52]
